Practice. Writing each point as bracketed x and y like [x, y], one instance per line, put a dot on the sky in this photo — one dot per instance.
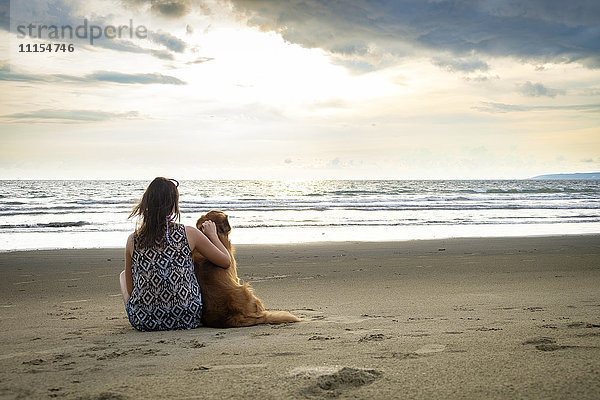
[294, 90]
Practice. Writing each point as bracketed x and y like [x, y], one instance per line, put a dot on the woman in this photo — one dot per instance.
[159, 287]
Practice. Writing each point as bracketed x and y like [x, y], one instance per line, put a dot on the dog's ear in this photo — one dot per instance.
[224, 225]
[220, 219]
[222, 222]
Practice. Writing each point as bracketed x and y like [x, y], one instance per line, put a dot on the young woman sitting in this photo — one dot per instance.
[159, 286]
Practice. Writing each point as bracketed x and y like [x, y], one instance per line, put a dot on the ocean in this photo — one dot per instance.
[94, 214]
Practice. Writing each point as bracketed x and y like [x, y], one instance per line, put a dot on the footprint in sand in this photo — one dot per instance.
[545, 344]
[309, 313]
[486, 329]
[320, 337]
[60, 357]
[430, 349]
[424, 351]
[104, 396]
[335, 383]
[417, 335]
[583, 325]
[200, 368]
[195, 344]
[37, 361]
[463, 308]
[539, 340]
[137, 351]
[285, 354]
[374, 337]
[534, 309]
[549, 326]
[313, 372]
[551, 347]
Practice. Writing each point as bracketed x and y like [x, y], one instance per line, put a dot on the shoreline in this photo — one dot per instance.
[446, 318]
[333, 242]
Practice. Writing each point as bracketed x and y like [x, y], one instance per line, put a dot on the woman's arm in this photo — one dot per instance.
[128, 256]
[208, 244]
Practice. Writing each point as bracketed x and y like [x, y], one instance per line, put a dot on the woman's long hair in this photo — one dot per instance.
[159, 206]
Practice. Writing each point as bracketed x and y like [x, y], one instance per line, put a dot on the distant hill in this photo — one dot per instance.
[586, 175]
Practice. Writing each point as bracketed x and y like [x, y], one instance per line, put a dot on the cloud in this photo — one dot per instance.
[164, 8]
[505, 108]
[5, 14]
[200, 60]
[129, 47]
[145, 79]
[538, 90]
[465, 64]
[170, 8]
[590, 92]
[68, 116]
[534, 30]
[7, 74]
[480, 78]
[169, 41]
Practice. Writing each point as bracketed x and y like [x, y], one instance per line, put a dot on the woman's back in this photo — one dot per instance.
[166, 294]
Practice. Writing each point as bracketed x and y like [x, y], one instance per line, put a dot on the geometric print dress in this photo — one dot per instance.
[166, 294]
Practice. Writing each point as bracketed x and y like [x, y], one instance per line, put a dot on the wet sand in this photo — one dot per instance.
[462, 318]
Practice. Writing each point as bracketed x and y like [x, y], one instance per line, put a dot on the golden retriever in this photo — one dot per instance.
[226, 303]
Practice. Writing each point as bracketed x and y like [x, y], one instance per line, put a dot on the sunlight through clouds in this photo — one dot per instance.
[302, 90]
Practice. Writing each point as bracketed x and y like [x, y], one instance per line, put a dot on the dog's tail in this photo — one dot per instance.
[279, 317]
[262, 317]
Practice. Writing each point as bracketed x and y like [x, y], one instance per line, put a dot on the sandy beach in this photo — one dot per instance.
[462, 318]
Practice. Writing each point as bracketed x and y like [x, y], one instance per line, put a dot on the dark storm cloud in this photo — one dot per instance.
[164, 8]
[170, 8]
[534, 30]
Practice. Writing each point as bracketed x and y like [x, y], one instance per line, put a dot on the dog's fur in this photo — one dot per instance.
[226, 303]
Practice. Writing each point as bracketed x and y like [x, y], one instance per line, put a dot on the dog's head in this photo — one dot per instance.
[219, 218]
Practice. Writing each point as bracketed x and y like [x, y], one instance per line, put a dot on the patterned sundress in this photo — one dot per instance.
[166, 294]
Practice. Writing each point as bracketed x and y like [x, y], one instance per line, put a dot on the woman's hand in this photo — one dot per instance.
[209, 229]
[207, 242]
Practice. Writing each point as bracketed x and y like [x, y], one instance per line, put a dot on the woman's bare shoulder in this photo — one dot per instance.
[130, 244]
[191, 230]
[194, 236]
